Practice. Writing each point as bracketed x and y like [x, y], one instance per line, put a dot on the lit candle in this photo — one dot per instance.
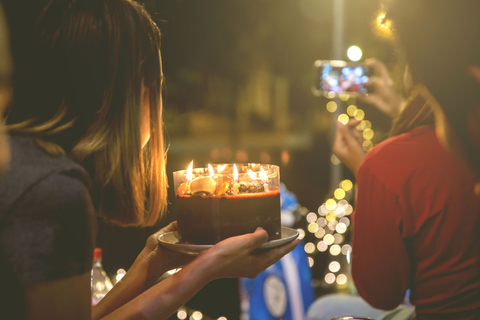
[235, 179]
[264, 177]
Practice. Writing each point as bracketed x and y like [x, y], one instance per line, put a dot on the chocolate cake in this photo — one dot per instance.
[210, 210]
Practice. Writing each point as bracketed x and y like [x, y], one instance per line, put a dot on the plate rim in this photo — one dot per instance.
[195, 249]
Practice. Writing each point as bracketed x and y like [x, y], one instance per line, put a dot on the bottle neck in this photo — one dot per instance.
[97, 263]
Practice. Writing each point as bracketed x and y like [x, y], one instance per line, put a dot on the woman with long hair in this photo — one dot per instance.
[87, 140]
[415, 218]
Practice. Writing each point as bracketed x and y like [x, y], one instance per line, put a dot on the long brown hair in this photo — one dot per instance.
[81, 93]
[417, 113]
[440, 39]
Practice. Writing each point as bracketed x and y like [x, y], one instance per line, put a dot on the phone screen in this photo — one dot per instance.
[341, 77]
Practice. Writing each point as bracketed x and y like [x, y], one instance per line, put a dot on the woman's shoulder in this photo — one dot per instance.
[30, 165]
[406, 150]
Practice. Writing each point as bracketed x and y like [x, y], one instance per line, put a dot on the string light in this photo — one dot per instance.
[331, 106]
[351, 110]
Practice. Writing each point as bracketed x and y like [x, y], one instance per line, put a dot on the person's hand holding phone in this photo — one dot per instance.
[382, 93]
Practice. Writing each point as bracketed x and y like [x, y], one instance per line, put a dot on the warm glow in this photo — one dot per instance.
[310, 262]
[197, 315]
[351, 110]
[331, 106]
[334, 266]
[210, 170]
[346, 249]
[222, 318]
[344, 96]
[335, 249]
[263, 175]
[346, 185]
[311, 217]
[331, 204]
[344, 118]
[235, 173]
[181, 314]
[341, 227]
[220, 168]
[348, 210]
[359, 114]
[338, 238]
[329, 278]
[329, 239]
[320, 233]
[190, 172]
[368, 134]
[341, 279]
[322, 246]
[354, 53]
[322, 222]
[313, 227]
[339, 194]
[309, 247]
[251, 174]
[367, 145]
[301, 234]
[322, 210]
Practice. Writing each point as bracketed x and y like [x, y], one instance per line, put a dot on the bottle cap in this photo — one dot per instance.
[97, 254]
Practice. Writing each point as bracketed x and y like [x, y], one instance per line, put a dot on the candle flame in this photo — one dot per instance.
[220, 168]
[235, 173]
[251, 174]
[190, 172]
[210, 170]
[263, 175]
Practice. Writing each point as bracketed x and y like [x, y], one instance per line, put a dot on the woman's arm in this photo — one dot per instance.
[230, 258]
[151, 263]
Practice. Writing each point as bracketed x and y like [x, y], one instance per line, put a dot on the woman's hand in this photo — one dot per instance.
[158, 258]
[348, 145]
[383, 94]
[233, 257]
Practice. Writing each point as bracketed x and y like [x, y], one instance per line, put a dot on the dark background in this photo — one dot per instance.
[213, 51]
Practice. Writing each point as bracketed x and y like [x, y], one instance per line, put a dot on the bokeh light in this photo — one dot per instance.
[334, 266]
[335, 250]
[354, 53]
[339, 193]
[309, 247]
[359, 114]
[322, 246]
[344, 118]
[332, 106]
[329, 239]
[181, 314]
[335, 160]
[320, 233]
[313, 227]
[341, 279]
[346, 185]
[197, 315]
[367, 145]
[368, 134]
[341, 227]
[344, 96]
[338, 238]
[329, 278]
[311, 217]
[331, 204]
[351, 110]
[310, 262]
[322, 222]
[346, 248]
[301, 234]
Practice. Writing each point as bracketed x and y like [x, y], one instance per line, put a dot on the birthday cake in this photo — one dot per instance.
[215, 207]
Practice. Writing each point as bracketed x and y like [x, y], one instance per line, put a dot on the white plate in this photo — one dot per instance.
[170, 241]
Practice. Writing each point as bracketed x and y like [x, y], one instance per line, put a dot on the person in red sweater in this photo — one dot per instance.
[415, 219]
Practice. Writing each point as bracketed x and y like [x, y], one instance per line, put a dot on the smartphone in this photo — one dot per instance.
[337, 76]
